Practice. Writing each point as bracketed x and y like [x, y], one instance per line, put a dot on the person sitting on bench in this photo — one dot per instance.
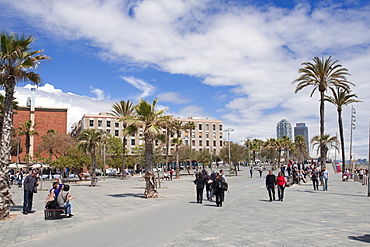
[64, 201]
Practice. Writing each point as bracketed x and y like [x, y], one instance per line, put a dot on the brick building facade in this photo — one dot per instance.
[45, 119]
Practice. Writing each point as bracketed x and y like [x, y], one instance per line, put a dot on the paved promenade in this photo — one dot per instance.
[115, 214]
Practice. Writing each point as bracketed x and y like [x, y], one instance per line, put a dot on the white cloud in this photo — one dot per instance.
[172, 97]
[145, 88]
[258, 51]
[99, 93]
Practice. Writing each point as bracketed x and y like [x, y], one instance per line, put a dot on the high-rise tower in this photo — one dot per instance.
[301, 129]
[284, 128]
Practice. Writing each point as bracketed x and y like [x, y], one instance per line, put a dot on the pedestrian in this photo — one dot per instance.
[251, 172]
[325, 178]
[260, 171]
[219, 189]
[209, 182]
[281, 183]
[200, 183]
[171, 174]
[30, 186]
[270, 185]
[315, 174]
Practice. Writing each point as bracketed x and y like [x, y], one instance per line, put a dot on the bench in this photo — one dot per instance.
[51, 214]
[71, 180]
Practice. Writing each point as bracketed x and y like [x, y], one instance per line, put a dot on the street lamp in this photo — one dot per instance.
[228, 140]
[18, 138]
[353, 126]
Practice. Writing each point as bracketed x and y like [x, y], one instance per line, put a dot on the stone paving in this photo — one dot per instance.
[115, 212]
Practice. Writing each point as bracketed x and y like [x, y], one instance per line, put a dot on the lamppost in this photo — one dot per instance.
[228, 140]
[248, 145]
[353, 126]
[18, 138]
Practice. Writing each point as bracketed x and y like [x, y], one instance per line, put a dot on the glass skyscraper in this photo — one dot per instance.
[301, 129]
[284, 128]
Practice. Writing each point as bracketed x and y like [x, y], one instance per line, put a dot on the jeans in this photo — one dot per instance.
[200, 194]
[209, 192]
[325, 184]
[315, 183]
[27, 201]
[67, 207]
[271, 190]
[281, 192]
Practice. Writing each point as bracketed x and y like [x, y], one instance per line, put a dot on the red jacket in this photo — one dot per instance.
[280, 181]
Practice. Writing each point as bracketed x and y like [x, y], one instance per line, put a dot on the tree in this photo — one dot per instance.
[121, 110]
[339, 99]
[55, 144]
[151, 121]
[88, 141]
[173, 126]
[301, 148]
[177, 142]
[237, 154]
[270, 149]
[17, 64]
[322, 75]
[324, 144]
[27, 129]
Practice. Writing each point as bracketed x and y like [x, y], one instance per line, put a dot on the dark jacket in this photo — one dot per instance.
[270, 179]
[29, 182]
[200, 182]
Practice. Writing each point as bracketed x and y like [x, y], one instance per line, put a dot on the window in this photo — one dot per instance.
[220, 143]
[156, 142]
[207, 135]
[220, 127]
[207, 126]
[107, 132]
[116, 125]
[91, 123]
[214, 143]
[193, 143]
[116, 133]
[186, 134]
[207, 143]
[132, 142]
[214, 126]
[186, 142]
[200, 134]
[108, 123]
[200, 143]
[200, 126]
[100, 123]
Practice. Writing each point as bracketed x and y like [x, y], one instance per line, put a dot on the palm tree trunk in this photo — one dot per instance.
[322, 128]
[93, 159]
[151, 184]
[5, 196]
[340, 123]
[123, 173]
[177, 162]
[167, 149]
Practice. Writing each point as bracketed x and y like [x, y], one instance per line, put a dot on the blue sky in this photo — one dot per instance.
[228, 60]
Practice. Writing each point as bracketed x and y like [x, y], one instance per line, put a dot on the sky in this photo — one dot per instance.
[229, 60]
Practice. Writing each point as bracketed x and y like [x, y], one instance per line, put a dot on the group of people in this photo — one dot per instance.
[58, 197]
[215, 185]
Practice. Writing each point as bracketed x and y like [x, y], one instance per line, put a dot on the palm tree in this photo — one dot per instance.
[17, 62]
[300, 145]
[120, 110]
[177, 142]
[324, 143]
[173, 126]
[88, 141]
[322, 75]
[341, 98]
[151, 121]
[27, 129]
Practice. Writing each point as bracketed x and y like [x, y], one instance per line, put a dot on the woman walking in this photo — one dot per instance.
[200, 182]
[218, 189]
[281, 183]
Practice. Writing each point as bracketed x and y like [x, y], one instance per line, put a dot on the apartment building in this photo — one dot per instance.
[206, 135]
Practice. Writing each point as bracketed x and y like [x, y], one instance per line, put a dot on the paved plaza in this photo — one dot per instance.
[115, 214]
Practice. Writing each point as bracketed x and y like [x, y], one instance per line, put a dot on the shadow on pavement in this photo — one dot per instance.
[128, 195]
[16, 208]
[365, 238]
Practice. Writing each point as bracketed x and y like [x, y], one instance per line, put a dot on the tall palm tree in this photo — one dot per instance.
[341, 98]
[324, 143]
[88, 141]
[27, 129]
[177, 142]
[120, 110]
[17, 62]
[151, 121]
[322, 74]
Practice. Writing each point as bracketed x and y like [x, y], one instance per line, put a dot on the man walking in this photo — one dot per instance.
[315, 178]
[270, 185]
[30, 187]
[325, 177]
